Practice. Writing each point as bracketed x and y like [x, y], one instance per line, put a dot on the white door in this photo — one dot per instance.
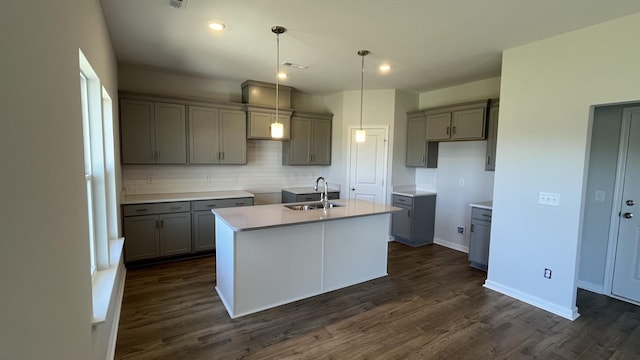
[367, 166]
[626, 273]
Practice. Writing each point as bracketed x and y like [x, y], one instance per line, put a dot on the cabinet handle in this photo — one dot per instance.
[212, 205]
[222, 155]
[489, 160]
[175, 208]
[447, 130]
[487, 215]
[157, 224]
[422, 158]
[141, 210]
[239, 204]
[471, 227]
[161, 224]
[454, 129]
[409, 213]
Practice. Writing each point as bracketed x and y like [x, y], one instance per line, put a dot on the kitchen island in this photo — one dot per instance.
[271, 255]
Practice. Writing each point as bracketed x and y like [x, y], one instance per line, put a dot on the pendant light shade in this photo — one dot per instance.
[361, 135]
[277, 129]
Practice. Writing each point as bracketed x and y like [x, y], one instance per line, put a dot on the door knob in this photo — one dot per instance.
[630, 202]
[353, 189]
[627, 215]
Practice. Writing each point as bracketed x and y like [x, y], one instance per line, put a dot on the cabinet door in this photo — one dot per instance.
[204, 141]
[401, 222]
[492, 136]
[299, 146]
[204, 226]
[479, 243]
[468, 124]
[233, 137]
[439, 126]
[260, 125]
[141, 237]
[175, 233]
[170, 134]
[137, 132]
[416, 141]
[320, 142]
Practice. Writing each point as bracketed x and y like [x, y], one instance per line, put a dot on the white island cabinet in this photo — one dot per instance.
[270, 255]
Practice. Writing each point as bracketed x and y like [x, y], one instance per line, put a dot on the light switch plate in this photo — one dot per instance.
[549, 199]
[599, 195]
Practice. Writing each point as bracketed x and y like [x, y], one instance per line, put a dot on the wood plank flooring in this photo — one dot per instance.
[431, 306]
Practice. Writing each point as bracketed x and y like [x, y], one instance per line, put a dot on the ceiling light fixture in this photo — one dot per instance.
[361, 135]
[217, 26]
[385, 67]
[277, 128]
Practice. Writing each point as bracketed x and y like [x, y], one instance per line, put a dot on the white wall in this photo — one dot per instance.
[459, 163]
[44, 263]
[547, 90]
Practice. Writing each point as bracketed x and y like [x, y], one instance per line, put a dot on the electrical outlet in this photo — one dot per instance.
[547, 273]
[599, 195]
[461, 182]
[461, 230]
[551, 199]
[149, 179]
[208, 179]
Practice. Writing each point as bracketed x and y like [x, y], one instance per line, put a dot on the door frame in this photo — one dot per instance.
[617, 200]
[351, 133]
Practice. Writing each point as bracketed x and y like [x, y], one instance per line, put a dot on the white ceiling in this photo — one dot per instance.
[430, 44]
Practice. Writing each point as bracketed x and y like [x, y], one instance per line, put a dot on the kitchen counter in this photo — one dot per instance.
[266, 216]
[270, 255]
[413, 193]
[308, 190]
[483, 205]
[189, 196]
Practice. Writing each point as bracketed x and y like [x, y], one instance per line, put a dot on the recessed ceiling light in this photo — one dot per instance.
[294, 65]
[217, 26]
[385, 67]
[282, 75]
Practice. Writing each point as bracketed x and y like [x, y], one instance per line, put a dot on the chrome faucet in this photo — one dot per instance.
[324, 196]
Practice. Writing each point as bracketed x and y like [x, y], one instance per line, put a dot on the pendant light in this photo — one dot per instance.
[361, 135]
[277, 128]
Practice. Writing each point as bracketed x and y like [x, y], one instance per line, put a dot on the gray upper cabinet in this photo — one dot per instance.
[492, 135]
[217, 136]
[457, 122]
[310, 142]
[152, 132]
[260, 124]
[420, 153]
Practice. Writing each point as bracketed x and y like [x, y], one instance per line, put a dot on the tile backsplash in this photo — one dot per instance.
[263, 172]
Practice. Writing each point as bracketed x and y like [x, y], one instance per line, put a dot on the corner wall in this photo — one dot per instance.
[547, 90]
[44, 263]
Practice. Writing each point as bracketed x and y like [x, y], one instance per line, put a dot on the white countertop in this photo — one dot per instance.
[209, 195]
[265, 216]
[307, 190]
[483, 205]
[413, 193]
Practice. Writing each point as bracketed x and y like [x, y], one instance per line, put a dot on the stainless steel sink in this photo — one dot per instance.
[310, 206]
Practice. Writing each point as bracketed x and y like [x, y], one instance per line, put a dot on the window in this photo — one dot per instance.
[99, 165]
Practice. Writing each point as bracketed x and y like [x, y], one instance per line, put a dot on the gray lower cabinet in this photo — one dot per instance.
[414, 225]
[156, 230]
[204, 222]
[492, 135]
[480, 238]
[291, 197]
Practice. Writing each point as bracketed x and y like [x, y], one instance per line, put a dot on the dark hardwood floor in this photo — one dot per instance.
[431, 306]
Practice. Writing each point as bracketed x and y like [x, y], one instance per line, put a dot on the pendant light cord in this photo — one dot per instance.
[277, 75]
[361, 89]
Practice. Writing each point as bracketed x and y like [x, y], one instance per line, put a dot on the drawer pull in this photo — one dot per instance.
[175, 208]
[239, 203]
[141, 210]
[487, 215]
[212, 205]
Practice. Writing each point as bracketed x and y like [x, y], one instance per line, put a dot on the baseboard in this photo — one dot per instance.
[113, 337]
[567, 313]
[596, 288]
[451, 245]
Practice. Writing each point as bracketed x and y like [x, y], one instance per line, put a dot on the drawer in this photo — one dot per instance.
[221, 203]
[333, 195]
[156, 208]
[402, 200]
[308, 197]
[481, 214]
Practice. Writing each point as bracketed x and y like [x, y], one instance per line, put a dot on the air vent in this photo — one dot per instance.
[294, 65]
[179, 4]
